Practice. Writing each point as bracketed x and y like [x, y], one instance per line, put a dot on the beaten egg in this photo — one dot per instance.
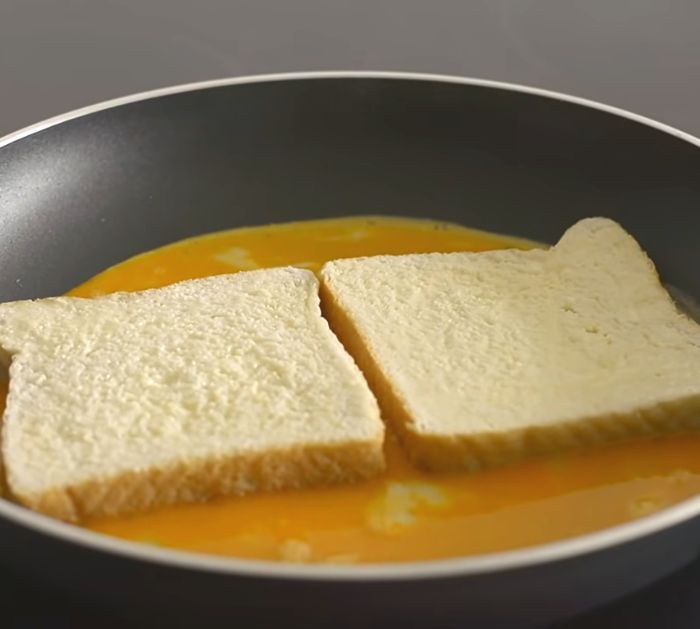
[405, 514]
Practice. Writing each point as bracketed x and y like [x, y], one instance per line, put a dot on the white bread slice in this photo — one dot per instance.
[212, 387]
[3, 395]
[480, 359]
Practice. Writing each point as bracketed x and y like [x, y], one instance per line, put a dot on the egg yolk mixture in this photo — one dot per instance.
[406, 514]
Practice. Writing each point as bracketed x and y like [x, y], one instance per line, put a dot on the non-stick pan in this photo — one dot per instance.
[88, 189]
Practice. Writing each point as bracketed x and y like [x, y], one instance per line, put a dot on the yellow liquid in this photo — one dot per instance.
[405, 514]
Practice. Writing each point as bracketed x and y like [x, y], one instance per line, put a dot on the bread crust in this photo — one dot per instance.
[209, 479]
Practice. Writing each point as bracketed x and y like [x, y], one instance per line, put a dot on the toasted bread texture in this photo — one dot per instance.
[212, 387]
[481, 359]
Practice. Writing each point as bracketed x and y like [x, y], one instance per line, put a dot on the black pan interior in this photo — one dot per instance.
[82, 195]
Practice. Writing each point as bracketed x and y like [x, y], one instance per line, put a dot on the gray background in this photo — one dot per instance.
[642, 55]
[57, 55]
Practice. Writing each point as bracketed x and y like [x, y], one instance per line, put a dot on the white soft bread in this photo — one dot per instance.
[212, 387]
[480, 359]
[3, 396]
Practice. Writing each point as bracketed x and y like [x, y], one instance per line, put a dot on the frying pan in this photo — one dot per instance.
[90, 188]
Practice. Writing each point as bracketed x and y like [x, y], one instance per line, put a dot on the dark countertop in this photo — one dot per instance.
[642, 55]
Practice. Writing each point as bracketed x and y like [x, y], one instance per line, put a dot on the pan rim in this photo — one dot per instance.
[345, 74]
[421, 570]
